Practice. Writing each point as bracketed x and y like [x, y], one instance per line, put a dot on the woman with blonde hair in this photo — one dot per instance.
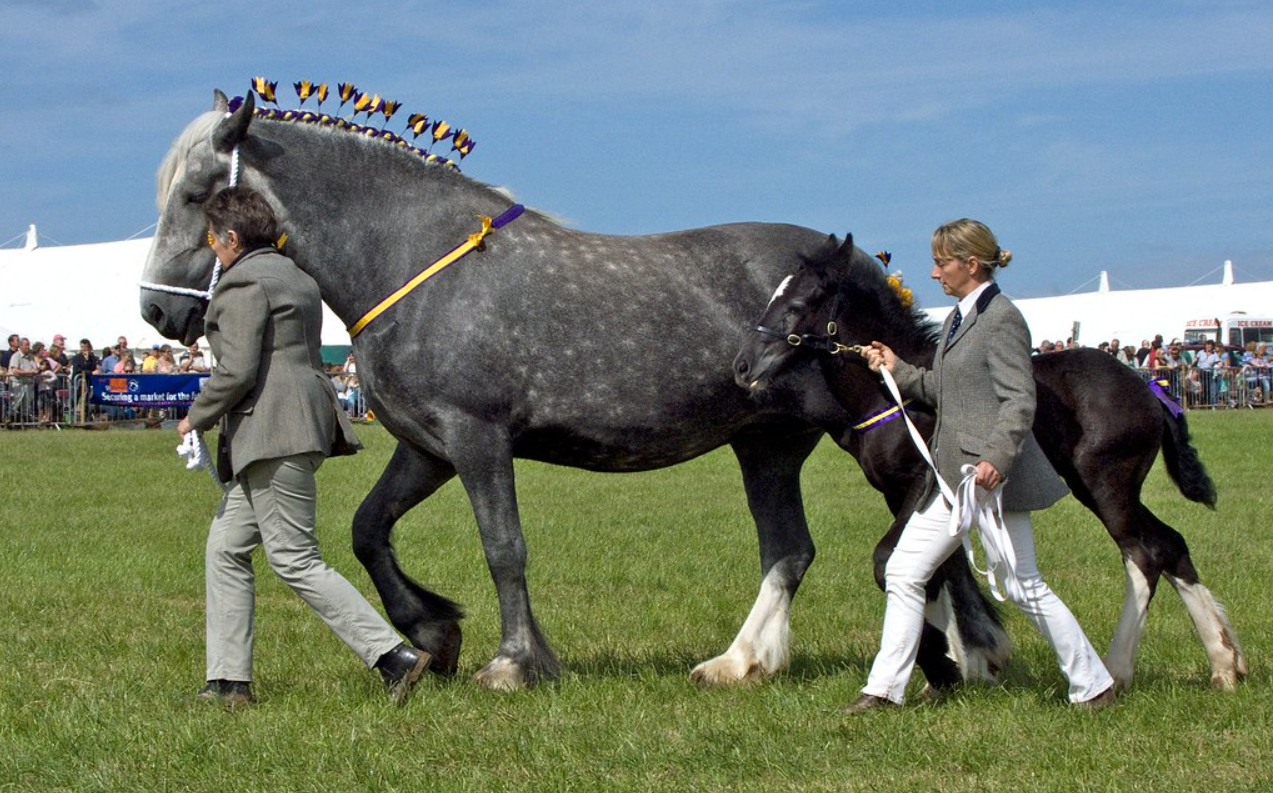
[982, 386]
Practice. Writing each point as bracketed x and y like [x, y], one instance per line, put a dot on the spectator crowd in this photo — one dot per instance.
[1205, 375]
[41, 385]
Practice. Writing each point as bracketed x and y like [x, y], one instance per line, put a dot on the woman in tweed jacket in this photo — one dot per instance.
[280, 419]
[982, 386]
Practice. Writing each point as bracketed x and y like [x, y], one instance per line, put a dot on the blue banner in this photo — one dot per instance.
[147, 390]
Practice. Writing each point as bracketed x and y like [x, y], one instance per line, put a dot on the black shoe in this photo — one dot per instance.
[230, 693]
[870, 702]
[401, 669]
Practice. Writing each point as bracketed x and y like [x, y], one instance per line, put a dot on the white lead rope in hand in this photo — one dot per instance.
[195, 452]
[969, 508]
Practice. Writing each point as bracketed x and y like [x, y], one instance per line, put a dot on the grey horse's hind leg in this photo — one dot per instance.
[430, 621]
[771, 476]
[483, 458]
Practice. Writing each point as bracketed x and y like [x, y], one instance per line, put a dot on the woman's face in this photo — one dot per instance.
[958, 277]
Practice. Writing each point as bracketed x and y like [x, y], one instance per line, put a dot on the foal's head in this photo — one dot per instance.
[839, 298]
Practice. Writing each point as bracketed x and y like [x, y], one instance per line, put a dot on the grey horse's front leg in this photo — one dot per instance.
[430, 621]
[771, 476]
[483, 458]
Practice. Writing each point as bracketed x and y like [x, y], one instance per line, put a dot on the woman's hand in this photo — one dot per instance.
[877, 355]
[988, 477]
[183, 427]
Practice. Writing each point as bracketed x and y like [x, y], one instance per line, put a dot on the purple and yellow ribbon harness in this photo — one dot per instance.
[456, 253]
[880, 417]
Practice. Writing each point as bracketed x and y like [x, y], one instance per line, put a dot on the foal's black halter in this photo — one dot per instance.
[814, 341]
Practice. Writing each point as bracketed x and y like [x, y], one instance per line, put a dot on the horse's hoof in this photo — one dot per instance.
[501, 674]
[1225, 681]
[725, 671]
[446, 655]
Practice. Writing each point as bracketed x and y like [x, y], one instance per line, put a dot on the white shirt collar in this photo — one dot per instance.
[969, 300]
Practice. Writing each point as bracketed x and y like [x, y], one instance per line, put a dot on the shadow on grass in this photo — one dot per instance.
[678, 662]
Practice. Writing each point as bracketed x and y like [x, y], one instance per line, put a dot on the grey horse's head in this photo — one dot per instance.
[180, 264]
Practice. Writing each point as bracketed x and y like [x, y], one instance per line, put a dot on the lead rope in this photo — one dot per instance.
[968, 508]
[195, 452]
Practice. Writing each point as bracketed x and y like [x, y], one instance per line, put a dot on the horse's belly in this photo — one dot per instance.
[618, 450]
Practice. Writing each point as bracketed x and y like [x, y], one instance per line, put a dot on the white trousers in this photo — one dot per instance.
[926, 543]
[271, 503]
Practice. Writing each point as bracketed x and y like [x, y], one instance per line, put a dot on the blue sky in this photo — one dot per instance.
[1131, 137]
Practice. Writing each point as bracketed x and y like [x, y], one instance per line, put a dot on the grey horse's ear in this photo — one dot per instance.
[220, 102]
[232, 131]
[848, 242]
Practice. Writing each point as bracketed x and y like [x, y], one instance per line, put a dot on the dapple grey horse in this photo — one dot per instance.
[601, 352]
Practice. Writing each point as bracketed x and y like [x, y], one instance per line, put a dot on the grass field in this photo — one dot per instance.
[635, 578]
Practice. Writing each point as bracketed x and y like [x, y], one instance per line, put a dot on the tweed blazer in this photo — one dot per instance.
[268, 390]
[982, 385]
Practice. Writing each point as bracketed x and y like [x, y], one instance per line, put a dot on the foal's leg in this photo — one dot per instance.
[963, 637]
[1151, 549]
[1228, 664]
[430, 621]
[771, 477]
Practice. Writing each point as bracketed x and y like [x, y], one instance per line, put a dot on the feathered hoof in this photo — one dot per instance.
[502, 674]
[728, 671]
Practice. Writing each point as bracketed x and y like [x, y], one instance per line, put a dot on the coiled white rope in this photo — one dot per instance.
[195, 452]
[971, 507]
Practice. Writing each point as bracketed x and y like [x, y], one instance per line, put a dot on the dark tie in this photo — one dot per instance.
[954, 324]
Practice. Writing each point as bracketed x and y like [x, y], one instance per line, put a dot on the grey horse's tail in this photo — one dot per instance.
[1183, 464]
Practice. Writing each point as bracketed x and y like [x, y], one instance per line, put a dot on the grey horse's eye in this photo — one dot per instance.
[198, 198]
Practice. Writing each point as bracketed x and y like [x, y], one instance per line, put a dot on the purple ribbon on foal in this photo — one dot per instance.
[1159, 387]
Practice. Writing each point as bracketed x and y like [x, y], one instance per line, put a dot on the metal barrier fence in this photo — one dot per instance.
[1222, 387]
[64, 400]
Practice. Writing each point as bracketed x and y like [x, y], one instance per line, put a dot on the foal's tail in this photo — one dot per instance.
[1182, 461]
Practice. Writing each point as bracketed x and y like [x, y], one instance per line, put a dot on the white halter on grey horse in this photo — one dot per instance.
[602, 352]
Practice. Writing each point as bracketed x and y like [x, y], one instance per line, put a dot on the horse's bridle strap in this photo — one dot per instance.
[456, 253]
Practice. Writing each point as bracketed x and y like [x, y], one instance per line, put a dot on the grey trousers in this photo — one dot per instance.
[272, 503]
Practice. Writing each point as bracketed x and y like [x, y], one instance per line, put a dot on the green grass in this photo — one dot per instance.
[635, 578]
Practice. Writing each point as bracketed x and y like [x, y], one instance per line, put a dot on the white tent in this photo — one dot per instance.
[88, 291]
[1136, 314]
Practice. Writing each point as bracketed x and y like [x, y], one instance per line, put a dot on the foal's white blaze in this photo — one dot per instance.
[1228, 664]
[762, 646]
[782, 287]
[1121, 657]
